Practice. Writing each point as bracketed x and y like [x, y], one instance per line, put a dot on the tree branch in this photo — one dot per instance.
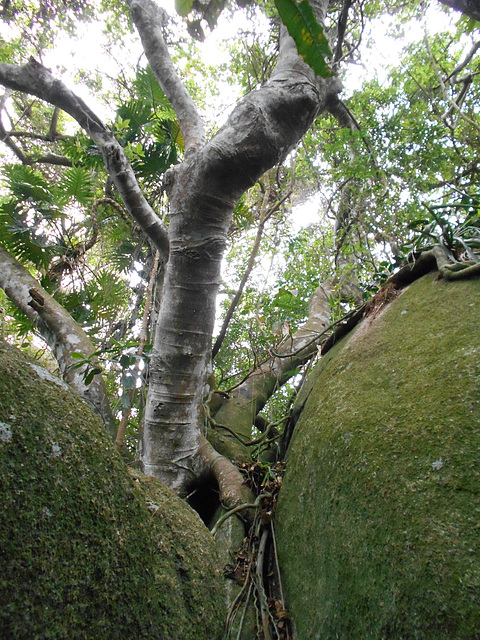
[461, 65]
[49, 158]
[149, 20]
[52, 132]
[469, 7]
[37, 136]
[52, 158]
[5, 137]
[455, 106]
[244, 403]
[62, 334]
[342, 25]
[35, 79]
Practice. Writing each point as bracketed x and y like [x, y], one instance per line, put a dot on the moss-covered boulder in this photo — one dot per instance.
[378, 521]
[88, 551]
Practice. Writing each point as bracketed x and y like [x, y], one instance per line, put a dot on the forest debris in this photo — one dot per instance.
[384, 295]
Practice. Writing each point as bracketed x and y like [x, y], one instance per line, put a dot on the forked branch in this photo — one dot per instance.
[62, 334]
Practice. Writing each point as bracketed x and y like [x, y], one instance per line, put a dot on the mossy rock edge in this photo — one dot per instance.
[378, 521]
[87, 550]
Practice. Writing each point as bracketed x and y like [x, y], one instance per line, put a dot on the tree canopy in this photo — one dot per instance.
[131, 226]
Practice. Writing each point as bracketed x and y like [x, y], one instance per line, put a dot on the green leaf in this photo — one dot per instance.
[150, 94]
[82, 151]
[91, 374]
[125, 400]
[20, 239]
[6, 51]
[129, 381]
[176, 134]
[308, 35]
[284, 299]
[471, 25]
[127, 361]
[183, 7]
[27, 183]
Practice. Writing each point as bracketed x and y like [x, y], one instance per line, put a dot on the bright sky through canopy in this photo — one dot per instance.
[379, 50]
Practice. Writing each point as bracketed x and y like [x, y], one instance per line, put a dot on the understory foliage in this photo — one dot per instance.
[413, 148]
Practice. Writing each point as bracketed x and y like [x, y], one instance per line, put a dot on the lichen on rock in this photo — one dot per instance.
[87, 550]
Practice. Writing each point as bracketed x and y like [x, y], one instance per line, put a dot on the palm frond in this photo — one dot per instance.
[82, 151]
[22, 240]
[150, 92]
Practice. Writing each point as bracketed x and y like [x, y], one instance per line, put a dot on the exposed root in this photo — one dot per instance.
[231, 486]
[425, 262]
[461, 270]
[435, 258]
[256, 569]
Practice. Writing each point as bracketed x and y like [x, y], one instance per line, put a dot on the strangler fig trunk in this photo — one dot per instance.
[260, 132]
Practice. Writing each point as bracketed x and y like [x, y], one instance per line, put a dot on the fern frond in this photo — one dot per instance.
[26, 183]
[77, 183]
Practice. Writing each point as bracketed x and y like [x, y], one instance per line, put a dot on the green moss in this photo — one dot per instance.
[86, 551]
[378, 517]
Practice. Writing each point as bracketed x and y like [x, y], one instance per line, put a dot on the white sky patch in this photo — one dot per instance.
[168, 5]
[306, 213]
[87, 53]
[381, 48]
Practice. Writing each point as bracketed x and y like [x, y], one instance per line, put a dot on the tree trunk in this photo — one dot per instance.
[260, 132]
[203, 191]
[470, 8]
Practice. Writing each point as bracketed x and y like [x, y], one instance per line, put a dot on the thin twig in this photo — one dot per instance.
[453, 104]
[240, 507]
[244, 612]
[264, 612]
[277, 565]
[251, 263]
[318, 335]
